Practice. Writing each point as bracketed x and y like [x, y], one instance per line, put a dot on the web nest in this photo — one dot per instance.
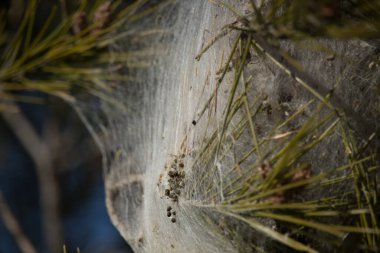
[239, 135]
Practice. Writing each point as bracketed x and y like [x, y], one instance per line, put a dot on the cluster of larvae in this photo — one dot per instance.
[171, 213]
[176, 178]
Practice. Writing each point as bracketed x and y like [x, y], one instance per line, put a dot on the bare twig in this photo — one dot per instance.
[14, 227]
[41, 155]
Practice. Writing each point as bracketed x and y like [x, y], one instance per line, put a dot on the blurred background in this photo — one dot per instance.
[51, 187]
[75, 172]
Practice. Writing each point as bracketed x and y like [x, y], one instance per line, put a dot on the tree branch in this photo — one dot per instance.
[14, 227]
[41, 155]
